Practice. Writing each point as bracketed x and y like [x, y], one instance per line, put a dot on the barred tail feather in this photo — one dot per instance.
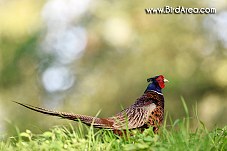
[88, 120]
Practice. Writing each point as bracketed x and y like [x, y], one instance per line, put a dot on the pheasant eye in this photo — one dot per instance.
[160, 81]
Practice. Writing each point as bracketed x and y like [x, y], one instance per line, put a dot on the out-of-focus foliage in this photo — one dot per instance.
[124, 46]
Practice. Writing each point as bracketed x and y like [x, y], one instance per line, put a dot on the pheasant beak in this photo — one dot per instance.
[165, 80]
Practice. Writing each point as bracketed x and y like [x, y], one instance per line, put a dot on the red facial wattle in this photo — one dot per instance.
[160, 81]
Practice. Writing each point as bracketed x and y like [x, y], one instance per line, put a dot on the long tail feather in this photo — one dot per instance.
[75, 117]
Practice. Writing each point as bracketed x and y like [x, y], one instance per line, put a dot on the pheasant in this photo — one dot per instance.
[148, 110]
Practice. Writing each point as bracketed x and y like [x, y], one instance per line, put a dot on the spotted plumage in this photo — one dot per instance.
[148, 110]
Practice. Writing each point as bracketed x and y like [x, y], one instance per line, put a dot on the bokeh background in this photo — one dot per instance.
[86, 56]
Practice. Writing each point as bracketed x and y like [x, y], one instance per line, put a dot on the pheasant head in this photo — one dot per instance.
[157, 83]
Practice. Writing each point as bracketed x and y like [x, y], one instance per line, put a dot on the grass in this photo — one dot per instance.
[177, 136]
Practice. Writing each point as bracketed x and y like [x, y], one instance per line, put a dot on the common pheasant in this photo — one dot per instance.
[148, 110]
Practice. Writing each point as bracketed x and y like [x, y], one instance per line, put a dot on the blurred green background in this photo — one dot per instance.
[83, 56]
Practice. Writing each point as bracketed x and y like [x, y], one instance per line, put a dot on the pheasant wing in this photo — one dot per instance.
[133, 117]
